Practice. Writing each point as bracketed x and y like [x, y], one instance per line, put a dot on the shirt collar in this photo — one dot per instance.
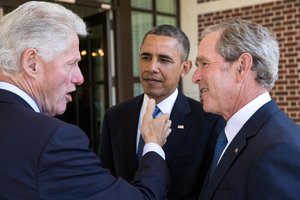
[21, 93]
[237, 121]
[165, 106]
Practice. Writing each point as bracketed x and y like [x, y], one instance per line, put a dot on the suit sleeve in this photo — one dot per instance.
[276, 174]
[68, 169]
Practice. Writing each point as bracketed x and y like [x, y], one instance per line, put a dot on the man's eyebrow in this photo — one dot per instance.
[166, 58]
[201, 58]
[198, 59]
[145, 54]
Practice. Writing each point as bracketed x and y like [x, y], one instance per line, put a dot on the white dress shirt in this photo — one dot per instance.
[165, 106]
[237, 121]
[20, 93]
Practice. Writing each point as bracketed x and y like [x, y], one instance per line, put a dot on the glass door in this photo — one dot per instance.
[92, 98]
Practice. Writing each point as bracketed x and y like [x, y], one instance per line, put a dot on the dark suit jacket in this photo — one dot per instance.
[261, 163]
[185, 148]
[45, 158]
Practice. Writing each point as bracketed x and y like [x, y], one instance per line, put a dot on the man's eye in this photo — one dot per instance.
[203, 64]
[164, 60]
[145, 57]
[74, 64]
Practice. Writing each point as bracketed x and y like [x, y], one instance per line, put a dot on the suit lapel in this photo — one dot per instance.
[132, 121]
[237, 146]
[180, 125]
[124, 142]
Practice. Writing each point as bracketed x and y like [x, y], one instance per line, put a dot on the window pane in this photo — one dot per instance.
[82, 11]
[137, 89]
[104, 1]
[167, 6]
[141, 23]
[146, 4]
[97, 53]
[166, 20]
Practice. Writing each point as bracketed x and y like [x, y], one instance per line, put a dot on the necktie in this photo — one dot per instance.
[141, 141]
[220, 145]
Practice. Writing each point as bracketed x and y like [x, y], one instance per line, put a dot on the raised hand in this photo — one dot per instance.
[155, 130]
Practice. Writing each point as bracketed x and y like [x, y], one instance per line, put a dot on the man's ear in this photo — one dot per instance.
[187, 65]
[243, 65]
[29, 62]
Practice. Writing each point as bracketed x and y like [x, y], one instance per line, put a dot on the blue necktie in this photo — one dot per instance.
[220, 145]
[141, 141]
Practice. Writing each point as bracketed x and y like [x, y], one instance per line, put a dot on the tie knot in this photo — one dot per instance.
[156, 111]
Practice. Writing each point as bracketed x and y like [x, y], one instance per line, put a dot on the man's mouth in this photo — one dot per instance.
[70, 96]
[152, 80]
[203, 90]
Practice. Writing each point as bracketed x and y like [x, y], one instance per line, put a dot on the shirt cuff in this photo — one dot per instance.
[154, 147]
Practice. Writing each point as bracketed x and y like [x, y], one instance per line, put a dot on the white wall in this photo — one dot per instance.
[189, 24]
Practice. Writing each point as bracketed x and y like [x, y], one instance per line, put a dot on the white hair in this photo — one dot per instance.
[239, 36]
[45, 26]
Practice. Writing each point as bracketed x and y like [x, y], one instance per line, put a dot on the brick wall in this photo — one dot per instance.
[283, 17]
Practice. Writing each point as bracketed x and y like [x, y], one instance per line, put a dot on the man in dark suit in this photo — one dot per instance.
[41, 156]
[163, 60]
[237, 65]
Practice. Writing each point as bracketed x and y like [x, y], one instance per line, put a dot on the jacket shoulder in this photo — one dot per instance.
[126, 106]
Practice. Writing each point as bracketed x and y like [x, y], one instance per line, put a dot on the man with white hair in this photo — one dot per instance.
[43, 157]
[257, 154]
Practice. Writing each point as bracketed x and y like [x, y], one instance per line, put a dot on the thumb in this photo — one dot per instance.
[150, 108]
[147, 119]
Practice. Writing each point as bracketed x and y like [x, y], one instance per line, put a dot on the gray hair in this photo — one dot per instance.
[241, 36]
[174, 32]
[45, 26]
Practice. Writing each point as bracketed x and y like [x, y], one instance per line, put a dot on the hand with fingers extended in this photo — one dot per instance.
[155, 130]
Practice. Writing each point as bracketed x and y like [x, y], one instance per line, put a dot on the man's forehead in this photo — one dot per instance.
[163, 40]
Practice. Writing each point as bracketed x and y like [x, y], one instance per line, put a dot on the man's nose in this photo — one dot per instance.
[153, 66]
[78, 78]
[196, 76]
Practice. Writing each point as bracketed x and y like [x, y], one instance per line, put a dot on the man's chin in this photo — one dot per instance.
[206, 107]
[152, 93]
[61, 110]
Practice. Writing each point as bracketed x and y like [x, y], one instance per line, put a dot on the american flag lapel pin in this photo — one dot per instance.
[180, 126]
[236, 150]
